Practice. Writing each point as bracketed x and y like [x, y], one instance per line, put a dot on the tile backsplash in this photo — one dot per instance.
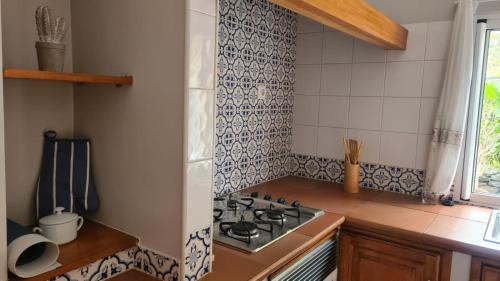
[387, 99]
[256, 56]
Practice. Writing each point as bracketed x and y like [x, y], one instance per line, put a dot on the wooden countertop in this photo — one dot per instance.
[459, 228]
[94, 241]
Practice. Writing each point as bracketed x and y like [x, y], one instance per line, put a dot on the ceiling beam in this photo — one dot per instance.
[354, 17]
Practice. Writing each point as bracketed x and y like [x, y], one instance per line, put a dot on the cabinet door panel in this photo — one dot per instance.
[485, 270]
[491, 273]
[367, 259]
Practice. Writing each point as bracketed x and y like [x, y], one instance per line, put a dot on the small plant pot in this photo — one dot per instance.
[50, 56]
[351, 177]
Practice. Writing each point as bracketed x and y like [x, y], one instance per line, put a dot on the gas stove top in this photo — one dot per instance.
[250, 223]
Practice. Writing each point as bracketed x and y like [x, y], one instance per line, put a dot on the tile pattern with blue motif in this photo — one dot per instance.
[102, 269]
[255, 77]
[374, 176]
[197, 260]
[157, 265]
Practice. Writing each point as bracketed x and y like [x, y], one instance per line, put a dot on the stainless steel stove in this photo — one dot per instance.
[251, 223]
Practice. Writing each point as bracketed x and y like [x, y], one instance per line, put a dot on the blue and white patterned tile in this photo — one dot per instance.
[197, 260]
[255, 74]
[374, 176]
[102, 269]
[157, 265]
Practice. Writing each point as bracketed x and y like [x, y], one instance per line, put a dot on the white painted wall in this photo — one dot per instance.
[31, 107]
[3, 197]
[136, 131]
[387, 99]
[199, 120]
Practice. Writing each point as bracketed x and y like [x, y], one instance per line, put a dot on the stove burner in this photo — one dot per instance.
[275, 214]
[232, 204]
[218, 213]
[244, 230]
[219, 199]
[271, 214]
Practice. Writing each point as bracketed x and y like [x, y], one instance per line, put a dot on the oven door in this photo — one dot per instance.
[320, 264]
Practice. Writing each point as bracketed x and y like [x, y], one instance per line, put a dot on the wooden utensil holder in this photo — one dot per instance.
[351, 177]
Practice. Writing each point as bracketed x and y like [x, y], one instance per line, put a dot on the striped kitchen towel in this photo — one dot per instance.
[65, 177]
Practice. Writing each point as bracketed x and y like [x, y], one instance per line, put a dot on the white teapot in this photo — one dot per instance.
[61, 227]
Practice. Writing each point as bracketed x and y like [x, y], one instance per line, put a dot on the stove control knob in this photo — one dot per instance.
[268, 197]
[254, 194]
[281, 200]
[296, 204]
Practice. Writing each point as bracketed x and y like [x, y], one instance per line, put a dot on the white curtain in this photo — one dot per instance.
[449, 126]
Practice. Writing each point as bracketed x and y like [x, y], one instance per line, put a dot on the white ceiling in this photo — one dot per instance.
[411, 11]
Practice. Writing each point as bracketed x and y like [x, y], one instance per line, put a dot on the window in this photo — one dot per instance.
[481, 172]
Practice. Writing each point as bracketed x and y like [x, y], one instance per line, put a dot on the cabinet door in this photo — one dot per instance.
[367, 259]
[485, 270]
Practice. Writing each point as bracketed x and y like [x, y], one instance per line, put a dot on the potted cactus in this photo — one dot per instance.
[51, 32]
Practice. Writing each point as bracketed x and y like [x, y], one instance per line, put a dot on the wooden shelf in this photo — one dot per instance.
[78, 78]
[354, 17]
[95, 241]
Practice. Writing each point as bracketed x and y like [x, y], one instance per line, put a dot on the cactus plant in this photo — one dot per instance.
[50, 28]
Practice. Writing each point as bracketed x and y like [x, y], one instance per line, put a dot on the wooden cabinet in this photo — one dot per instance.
[484, 270]
[364, 258]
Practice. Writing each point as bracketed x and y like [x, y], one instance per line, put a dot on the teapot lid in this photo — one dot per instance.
[59, 217]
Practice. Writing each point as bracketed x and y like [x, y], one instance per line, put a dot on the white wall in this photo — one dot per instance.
[387, 99]
[199, 126]
[31, 107]
[3, 197]
[136, 131]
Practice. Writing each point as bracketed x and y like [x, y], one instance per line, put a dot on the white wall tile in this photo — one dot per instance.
[404, 79]
[398, 149]
[401, 115]
[200, 124]
[204, 6]
[415, 48]
[305, 110]
[337, 47]
[305, 25]
[365, 113]
[198, 189]
[371, 144]
[201, 51]
[309, 47]
[428, 112]
[438, 40]
[423, 147]
[304, 139]
[333, 111]
[307, 79]
[330, 142]
[335, 79]
[368, 79]
[433, 78]
[364, 52]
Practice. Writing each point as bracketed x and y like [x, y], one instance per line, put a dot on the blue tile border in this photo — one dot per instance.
[198, 254]
[156, 264]
[373, 176]
[102, 269]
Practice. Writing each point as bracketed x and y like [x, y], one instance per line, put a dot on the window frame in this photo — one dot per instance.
[466, 173]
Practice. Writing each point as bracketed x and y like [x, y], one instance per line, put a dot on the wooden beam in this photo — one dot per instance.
[354, 17]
